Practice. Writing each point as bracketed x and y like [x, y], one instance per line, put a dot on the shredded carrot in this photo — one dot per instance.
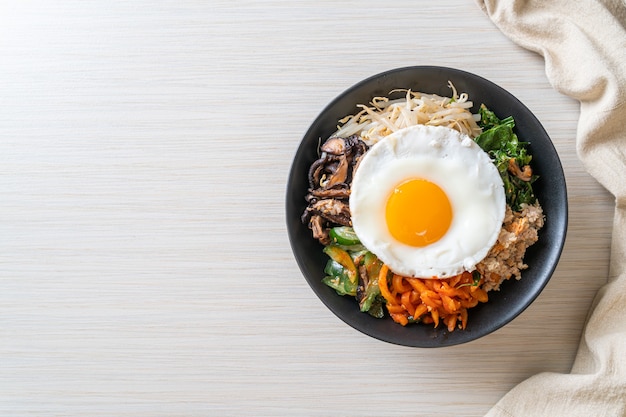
[398, 284]
[450, 322]
[400, 318]
[395, 309]
[382, 284]
[405, 300]
[430, 300]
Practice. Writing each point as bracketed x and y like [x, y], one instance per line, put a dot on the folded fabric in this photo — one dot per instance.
[583, 43]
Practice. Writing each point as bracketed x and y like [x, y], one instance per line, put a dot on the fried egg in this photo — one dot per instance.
[428, 201]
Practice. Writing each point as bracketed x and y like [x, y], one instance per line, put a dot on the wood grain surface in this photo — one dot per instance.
[145, 268]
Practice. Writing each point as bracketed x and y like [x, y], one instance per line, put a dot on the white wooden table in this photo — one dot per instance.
[144, 263]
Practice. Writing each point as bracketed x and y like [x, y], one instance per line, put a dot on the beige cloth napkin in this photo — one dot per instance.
[583, 43]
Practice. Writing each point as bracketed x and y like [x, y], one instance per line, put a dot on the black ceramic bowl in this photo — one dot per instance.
[542, 258]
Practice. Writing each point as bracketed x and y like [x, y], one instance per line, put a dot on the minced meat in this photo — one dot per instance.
[505, 259]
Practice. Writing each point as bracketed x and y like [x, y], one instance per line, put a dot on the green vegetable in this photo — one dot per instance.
[338, 279]
[344, 235]
[488, 119]
[342, 274]
[376, 308]
[503, 146]
[342, 257]
[371, 291]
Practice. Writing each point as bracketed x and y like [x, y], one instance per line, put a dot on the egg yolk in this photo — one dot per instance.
[418, 212]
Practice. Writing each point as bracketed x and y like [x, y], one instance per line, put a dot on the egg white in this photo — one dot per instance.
[460, 168]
